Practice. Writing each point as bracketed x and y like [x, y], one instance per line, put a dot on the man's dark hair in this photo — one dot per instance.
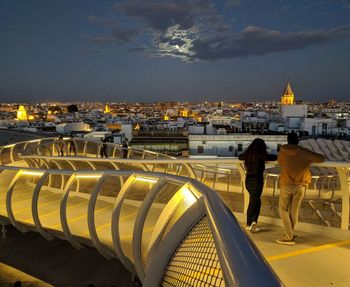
[293, 138]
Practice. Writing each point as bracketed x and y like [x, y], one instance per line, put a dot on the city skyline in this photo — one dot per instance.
[188, 50]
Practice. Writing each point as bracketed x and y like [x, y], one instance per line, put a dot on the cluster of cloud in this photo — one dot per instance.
[195, 30]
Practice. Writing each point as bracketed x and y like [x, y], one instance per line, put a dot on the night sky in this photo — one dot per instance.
[181, 50]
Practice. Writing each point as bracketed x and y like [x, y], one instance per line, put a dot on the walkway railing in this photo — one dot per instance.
[165, 229]
[226, 175]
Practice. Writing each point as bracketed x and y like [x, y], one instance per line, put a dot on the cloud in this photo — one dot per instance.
[159, 15]
[117, 33]
[137, 49]
[195, 30]
[346, 4]
[259, 41]
[102, 21]
[234, 2]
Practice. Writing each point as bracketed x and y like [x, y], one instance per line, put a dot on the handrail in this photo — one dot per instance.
[211, 166]
[236, 252]
[225, 160]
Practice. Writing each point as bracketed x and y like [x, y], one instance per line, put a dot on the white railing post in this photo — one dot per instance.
[9, 202]
[115, 224]
[63, 213]
[245, 192]
[344, 185]
[11, 153]
[35, 211]
[139, 224]
[91, 218]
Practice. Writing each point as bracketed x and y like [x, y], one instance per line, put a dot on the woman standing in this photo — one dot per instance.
[254, 161]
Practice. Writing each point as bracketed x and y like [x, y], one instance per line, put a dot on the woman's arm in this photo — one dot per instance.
[271, 157]
[242, 156]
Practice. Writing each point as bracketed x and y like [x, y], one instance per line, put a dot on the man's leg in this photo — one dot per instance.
[296, 202]
[284, 203]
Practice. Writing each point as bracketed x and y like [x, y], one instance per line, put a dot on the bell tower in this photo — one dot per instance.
[288, 96]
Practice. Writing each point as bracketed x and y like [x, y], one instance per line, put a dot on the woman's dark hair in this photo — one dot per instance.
[255, 151]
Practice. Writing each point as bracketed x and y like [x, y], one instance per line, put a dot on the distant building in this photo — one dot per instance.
[106, 110]
[288, 96]
[299, 111]
[67, 128]
[22, 113]
[319, 126]
[230, 145]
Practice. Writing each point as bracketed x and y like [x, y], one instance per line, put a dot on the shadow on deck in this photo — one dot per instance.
[55, 263]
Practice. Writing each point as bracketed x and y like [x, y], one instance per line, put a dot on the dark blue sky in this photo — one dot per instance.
[181, 50]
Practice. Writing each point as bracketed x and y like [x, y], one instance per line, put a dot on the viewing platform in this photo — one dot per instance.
[156, 214]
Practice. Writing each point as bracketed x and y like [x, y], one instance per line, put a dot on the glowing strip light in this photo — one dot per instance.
[224, 169]
[200, 165]
[88, 176]
[10, 145]
[184, 193]
[190, 198]
[34, 173]
[34, 141]
[146, 179]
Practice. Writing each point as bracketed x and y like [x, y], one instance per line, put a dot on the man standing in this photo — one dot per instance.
[295, 175]
[103, 148]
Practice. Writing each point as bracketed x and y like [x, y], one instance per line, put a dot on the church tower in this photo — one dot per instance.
[22, 113]
[288, 96]
[106, 109]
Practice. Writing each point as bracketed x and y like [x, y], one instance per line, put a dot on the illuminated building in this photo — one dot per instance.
[288, 96]
[183, 113]
[107, 109]
[22, 113]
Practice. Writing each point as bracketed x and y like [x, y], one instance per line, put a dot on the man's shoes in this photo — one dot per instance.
[248, 228]
[286, 242]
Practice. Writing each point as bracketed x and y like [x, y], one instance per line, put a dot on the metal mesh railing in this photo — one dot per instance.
[195, 262]
[153, 214]
[147, 207]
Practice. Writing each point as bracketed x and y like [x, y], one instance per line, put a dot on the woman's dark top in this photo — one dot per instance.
[257, 170]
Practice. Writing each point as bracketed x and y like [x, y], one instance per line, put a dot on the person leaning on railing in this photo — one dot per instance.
[61, 144]
[295, 175]
[254, 161]
[71, 146]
